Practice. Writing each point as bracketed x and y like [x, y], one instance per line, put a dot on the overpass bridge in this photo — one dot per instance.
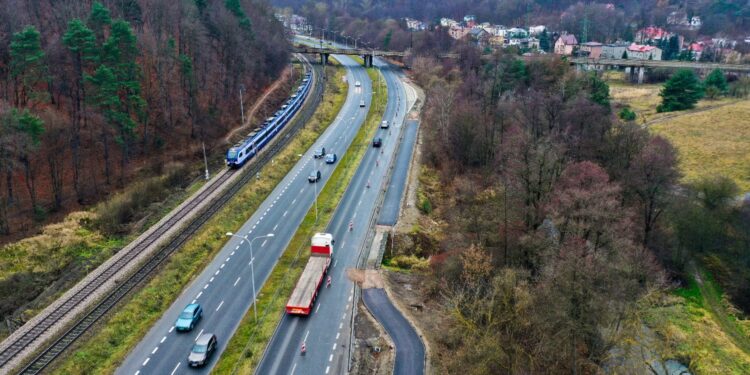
[366, 54]
[640, 67]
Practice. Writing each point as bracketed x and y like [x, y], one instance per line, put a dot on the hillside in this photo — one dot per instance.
[96, 95]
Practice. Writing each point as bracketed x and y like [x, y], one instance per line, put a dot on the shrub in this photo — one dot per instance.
[627, 114]
[681, 92]
[410, 262]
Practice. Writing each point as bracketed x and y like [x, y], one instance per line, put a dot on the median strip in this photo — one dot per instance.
[244, 351]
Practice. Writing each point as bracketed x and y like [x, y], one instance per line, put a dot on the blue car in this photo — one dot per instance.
[189, 317]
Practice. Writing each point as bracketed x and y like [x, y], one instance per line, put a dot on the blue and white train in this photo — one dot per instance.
[262, 135]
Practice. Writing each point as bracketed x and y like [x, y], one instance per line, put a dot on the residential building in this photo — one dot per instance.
[479, 36]
[470, 20]
[696, 23]
[536, 30]
[643, 52]
[516, 32]
[458, 32]
[651, 34]
[497, 41]
[414, 25]
[696, 50]
[565, 44]
[447, 22]
[592, 50]
[614, 50]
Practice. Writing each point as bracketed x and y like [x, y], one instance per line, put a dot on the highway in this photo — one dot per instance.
[392, 203]
[326, 332]
[224, 287]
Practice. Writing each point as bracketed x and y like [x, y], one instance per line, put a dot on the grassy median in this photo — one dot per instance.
[246, 346]
[108, 345]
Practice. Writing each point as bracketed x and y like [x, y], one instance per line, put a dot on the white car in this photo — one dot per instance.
[357, 84]
[384, 124]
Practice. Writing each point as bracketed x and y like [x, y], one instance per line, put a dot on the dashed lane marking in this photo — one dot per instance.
[154, 351]
[236, 281]
[264, 243]
[199, 295]
[195, 300]
[317, 308]
[211, 280]
[328, 368]
[306, 334]
[337, 335]
[217, 272]
[330, 358]
[175, 368]
[146, 361]
[286, 211]
[199, 335]
[275, 226]
[220, 304]
[222, 265]
[205, 286]
[232, 253]
[171, 329]
[334, 346]
[227, 260]
[162, 340]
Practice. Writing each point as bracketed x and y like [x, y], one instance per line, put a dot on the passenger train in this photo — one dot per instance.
[262, 135]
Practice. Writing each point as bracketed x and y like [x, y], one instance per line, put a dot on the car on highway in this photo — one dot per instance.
[204, 347]
[377, 142]
[313, 177]
[331, 158]
[357, 84]
[362, 103]
[189, 317]
[384, 124]
[319, 153]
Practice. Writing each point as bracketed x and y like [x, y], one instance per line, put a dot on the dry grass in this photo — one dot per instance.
[712, 142]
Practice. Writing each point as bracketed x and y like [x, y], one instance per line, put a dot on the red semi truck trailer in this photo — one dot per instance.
[308, 286]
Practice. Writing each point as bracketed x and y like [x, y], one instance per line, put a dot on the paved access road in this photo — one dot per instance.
[224, 288]
[409, 347]
[326, 331]
[395, 193]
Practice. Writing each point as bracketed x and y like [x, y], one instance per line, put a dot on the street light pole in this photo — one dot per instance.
[242, 110]
[252, 267]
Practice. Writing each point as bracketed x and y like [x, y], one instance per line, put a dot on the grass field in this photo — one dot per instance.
[244, 351]
[712, 139]
[106, 347]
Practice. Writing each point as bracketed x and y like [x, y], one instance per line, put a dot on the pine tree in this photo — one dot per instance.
[624, 55]
[680, 92]
[599, 91]
[544, 44]
[98, 20]
[27, 66]
[716, 84]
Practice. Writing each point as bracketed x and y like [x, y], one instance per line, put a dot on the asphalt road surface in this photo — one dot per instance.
[326, 331]
[392, 202]
[409, 347]
[224, 288]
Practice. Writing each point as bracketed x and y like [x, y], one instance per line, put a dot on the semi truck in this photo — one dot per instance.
[307, 288]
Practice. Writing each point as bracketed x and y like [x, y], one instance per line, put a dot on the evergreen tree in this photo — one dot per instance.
[544, 43]
[716, 84]
[624, 55]
[599, 91]
[680, 92]
[99, 20]
[27, 67]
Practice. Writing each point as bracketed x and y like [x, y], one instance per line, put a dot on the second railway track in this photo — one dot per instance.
[123, 287]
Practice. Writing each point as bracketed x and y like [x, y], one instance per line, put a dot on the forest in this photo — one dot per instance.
[95, 95]
[550, 222]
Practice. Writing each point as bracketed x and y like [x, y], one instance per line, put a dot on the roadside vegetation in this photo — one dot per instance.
[246, 347]
[105, 348]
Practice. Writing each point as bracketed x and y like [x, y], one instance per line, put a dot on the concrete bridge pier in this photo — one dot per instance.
[323, 59]
[636, 73]
[368, 61]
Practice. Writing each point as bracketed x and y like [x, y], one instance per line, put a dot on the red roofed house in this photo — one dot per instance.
[696, 49]
[565, 44]
[651, 33]
[641, 52]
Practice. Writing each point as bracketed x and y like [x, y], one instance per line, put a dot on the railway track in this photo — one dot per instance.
[110, 300]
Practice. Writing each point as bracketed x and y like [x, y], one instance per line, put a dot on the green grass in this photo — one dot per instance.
[246, 347]
[105, 348]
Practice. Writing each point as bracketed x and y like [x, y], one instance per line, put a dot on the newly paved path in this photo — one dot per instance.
[409, 347]
[224, 287]
[395, 193]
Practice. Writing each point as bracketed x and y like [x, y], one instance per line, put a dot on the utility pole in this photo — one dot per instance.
[242, 109]
[205, 159]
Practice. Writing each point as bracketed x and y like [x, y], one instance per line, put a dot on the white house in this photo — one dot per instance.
[536, 30]
[642, 52]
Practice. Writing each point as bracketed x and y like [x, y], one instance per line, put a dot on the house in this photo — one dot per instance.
[592, 50]
[696, 50]
[651, 34]
[414, 25]
[536, 30]
[470, 20]
[516, 32]
[458, 32]
[643, 52]
[497, 41]
[447, 22]
[565, 44]
[479, 36]
[696, 23]
[678, 18]
[614, 50]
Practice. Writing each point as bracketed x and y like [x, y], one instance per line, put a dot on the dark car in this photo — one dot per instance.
[319, 153]
[314, 176]
[331, 158]
[377, 142]
[204, 347]
[189, 317]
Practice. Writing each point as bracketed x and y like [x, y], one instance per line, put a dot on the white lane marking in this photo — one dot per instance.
[175, 368]
[317, 308]
[171, 329]
[306, 334]
[264, 243]
[337, 335]
[285, 213]
[146, 361]
[294, 201]
[350, 298]
[343, 316]
[334, 346]
[217, 272]
[220, 304]
[341, 325]
[293, 368]
[237, 248]
[227, 260]
[275, 226]
[222, 265]
[241, 242]
[195, 300]
[301, 190]
[199, 295]
[330, 358]
[155, 349]
[162, 340]
[206, 286]
[335, 262]
[255, 225]
[211, 280]
[328, 368]
[137, 372]
[232, 253]
[199, 335]
[355, 215]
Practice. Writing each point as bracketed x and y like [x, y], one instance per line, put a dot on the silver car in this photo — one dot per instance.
[202, 350]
